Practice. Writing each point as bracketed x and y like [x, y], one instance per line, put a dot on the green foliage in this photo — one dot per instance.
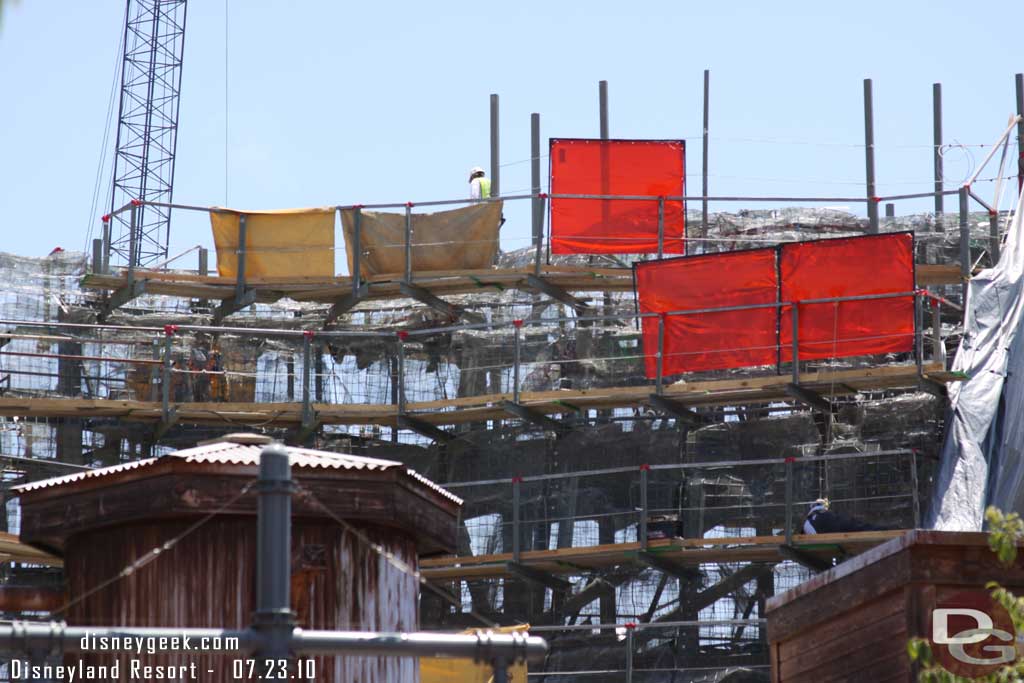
[1005, 531]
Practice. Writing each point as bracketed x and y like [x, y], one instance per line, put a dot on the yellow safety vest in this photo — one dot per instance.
[485, 188]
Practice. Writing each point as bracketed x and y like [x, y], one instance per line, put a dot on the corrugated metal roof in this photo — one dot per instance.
[242, 451]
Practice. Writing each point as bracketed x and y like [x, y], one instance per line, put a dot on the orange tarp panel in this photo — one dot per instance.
[853, 266]
[434, 670]
[288, 243]
[653, 168]
[710, 340]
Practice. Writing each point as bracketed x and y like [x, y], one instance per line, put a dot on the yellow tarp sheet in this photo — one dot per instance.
[288, 243]
[462, 239]
[433, 670]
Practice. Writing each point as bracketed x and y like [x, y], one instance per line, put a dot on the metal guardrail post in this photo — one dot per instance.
[408, 242]
[307, 363]
[938, 348]
[537, 216]
[789, 501]
[516, 551]
[965, 242]
[273, 617]
[644, 510]
[913, 490]
[242, 257]
[518, 324]
[500, 669]
[796, 342]
[659, 381]
[204, 261]
[402, 336]
[660, 226]
[704, 158]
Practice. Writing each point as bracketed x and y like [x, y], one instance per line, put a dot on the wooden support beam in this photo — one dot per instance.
[678, 410]
[426, 297]
[811, 398]
[120, 297]
[424, 428]
[536, 576]
[537, 418]
[653, 561]
[815, 564]
[230, 306]
[556, 292]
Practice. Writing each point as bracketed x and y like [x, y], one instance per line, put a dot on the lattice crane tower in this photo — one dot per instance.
[147, 130]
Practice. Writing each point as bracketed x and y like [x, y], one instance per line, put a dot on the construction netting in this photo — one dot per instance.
[623, 168]
[855, 297]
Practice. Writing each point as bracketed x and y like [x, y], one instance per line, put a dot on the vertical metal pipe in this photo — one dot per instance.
[915, 496]
[869, 156]
[602, 97]
[495, 150]
[97, 255]
[537, 217]
[515, 367]
[965, 242]
[937, 151]
[357, 252]
[789, 501]
[274, 616]
[1019, 83]
[132, 243]
[408, 242]
[307, 363]
[401, 374]
[540, 241]
[644, 510]
[919, 304]
[704, 160]
[516, 482]
[629, 654]
[661, 355]
[165, 380]
[500, 668]
[993, 237]
[204, 262]
[661, 227]
[796, 342]
[243, 239]
[938, 348]
[106, 247]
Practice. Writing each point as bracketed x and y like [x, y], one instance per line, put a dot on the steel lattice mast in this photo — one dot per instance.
[147, 130]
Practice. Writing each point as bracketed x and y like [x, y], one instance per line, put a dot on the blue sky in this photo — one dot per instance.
[339, 102]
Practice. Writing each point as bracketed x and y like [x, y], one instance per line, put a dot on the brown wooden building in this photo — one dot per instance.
[197, 508]
[853, 622]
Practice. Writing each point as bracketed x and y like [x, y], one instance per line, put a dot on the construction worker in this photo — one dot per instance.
[821, 520]
[479, 186]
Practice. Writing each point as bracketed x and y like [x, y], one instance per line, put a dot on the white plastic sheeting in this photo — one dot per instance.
[981, 457]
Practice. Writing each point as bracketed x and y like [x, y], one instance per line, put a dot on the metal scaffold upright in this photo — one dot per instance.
[147, 129]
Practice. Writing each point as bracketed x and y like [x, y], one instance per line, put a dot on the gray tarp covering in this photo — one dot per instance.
[981, 457]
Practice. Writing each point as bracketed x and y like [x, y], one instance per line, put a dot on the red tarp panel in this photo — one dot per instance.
[709, 341]
[876, 264]
[653, 168]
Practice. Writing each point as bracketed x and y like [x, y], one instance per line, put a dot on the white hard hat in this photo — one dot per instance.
[821, 503]
[476, 170]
